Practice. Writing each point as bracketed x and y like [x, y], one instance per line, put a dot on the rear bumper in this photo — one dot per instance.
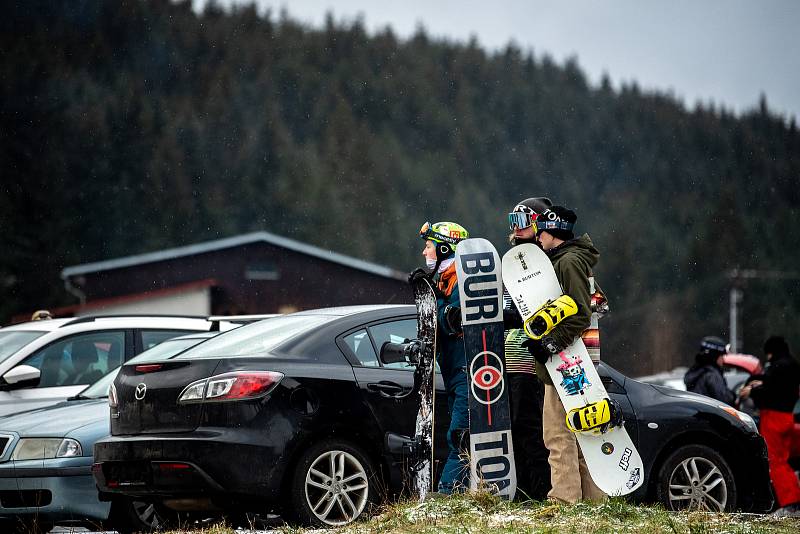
[50, 491]
[223, 464]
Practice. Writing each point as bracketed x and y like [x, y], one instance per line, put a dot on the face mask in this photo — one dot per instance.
[430, 263]
[446, 264]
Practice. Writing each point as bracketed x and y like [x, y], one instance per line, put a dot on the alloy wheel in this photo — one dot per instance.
[147, 514]
[336, 487]
[698, 484]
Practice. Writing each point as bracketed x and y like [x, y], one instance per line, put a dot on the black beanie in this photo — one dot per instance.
[776, 346]
[710, 349]
[557, 221]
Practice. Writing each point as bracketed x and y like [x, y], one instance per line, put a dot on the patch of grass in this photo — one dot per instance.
[482, 512]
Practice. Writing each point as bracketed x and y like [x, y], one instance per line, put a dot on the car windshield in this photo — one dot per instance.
[162, 351]
[99, 390]
[13, 340]
[257, 338]
[166, 349]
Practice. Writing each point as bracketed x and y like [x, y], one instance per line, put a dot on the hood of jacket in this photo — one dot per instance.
[696, 372]
[581, 246]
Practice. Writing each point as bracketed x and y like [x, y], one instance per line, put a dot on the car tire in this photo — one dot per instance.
[128, 515]
[333, 484]
[696, 477]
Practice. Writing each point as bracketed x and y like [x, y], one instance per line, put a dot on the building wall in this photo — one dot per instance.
[254, 278]
[192, 302]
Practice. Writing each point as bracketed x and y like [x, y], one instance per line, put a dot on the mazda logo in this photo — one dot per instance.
[141, 389]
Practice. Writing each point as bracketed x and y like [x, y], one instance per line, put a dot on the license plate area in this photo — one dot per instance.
[128, 474]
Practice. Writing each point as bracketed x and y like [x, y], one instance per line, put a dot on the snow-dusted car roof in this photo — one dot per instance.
[342, 311]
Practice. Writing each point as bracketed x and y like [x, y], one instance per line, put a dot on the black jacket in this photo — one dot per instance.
[708, 380]
[781, 379]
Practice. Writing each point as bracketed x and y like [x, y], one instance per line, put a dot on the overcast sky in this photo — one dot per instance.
[728, 51]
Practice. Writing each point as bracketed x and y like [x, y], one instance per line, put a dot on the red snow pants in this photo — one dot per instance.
[776, 427]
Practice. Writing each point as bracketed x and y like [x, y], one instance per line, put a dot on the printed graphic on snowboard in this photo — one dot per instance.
[596, 420]
[573, 374]
[481, 295]
[486, 373]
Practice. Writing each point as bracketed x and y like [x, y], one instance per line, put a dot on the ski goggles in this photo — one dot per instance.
[518, 220]
[427, 232]
[543, 224]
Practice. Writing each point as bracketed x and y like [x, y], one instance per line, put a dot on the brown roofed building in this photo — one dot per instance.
[246, 274]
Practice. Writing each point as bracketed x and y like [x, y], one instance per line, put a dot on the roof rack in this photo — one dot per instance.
[241, 318]
[91, 318]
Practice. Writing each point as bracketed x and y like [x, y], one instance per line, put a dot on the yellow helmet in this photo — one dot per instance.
[445, 234]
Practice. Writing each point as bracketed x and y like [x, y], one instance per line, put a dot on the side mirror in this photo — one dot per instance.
[22, 376]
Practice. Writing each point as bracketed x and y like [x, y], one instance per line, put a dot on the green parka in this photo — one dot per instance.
[573, 261]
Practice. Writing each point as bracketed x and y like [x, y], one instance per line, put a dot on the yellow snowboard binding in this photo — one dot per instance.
[549, 315]
[596, 418]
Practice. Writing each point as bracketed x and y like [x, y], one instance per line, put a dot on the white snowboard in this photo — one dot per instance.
[612, 459]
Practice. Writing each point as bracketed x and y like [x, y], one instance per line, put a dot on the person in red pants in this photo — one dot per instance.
[775, 394]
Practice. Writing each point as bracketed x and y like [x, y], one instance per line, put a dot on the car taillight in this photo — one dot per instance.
[238, 385]
[148, 367]
[112, 396]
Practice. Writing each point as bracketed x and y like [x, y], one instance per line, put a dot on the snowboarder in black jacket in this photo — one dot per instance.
[705, 376]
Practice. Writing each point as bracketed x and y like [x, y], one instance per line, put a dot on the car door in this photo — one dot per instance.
[67, 366]
[388, 388]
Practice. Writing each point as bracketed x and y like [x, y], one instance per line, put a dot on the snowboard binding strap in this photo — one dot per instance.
[596, 418]
[548, 316]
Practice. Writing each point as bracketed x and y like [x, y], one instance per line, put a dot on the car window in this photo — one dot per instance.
[166, 350]
[395, 332]
[151, 338]
[80, 359]
[255, 339]
[362, 348]
[11, 341]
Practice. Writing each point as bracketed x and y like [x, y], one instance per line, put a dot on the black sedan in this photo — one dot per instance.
[292, 414]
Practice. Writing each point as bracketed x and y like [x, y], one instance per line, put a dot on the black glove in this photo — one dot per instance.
[539, 353]
[415, 275]
[452, 316]
[511, 318]
[550, 345]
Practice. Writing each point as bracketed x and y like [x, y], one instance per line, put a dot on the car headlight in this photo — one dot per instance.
[45, 448]
[746, 420]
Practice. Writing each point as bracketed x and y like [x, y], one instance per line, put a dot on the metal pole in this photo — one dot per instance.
[736, 296]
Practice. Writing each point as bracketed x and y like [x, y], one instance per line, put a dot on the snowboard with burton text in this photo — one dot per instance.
[481, 296]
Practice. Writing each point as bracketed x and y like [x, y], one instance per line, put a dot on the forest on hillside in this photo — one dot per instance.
[131, 126]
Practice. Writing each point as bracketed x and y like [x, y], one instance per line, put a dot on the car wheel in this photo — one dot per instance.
[696, 477]
[332, 485]
[138, 516]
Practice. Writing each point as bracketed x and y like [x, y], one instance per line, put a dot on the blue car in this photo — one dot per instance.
[46, 460]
